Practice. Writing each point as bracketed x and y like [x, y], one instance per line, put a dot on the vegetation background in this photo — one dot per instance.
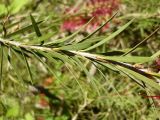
[77, 60]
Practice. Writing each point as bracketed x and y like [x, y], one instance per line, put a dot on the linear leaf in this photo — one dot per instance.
[42, 38]
[62, 57]
[46, 65]
[128, 59]
[139, 76]
[18, 56]
[141, 42]
[110, 66]
[10, 25]
[110, 36]
[132, 59]
[99, 28]
[69, 37]
[21, 30]
[131, 76]
[77, 46]
[48, 56]
[81, 45]
[13, 66]
[35, 26]
[76, 78]
[91, 78]
[27, 66]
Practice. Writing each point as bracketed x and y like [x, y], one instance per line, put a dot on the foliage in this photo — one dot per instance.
[48, 74]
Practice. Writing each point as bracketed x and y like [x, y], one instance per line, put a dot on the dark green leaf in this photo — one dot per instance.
[35, 26]
[27, 65]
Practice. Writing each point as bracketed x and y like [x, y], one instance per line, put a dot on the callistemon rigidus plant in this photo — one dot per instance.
[101, 10]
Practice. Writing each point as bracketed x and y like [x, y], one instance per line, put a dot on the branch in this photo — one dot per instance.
[21, 45]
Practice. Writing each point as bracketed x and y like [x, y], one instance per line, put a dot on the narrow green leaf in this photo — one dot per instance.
[110, 66]
[35, 26]
[4, 30]
[104, 77]
[21, 30]
[18, 56]
[129, 59]
[99, 28]
[143, 78]
[62, 57]
[76, 78]
[69, 37]
[48, 56]
[91, 78]
[131, 76]
[42, 38]
[46, 65]
[13, 24]
[27, 65]
[13, 65]
[81, 45]
[110, 36]
[132, 59]
[76, 46]
[10, 25]
[141, 42]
